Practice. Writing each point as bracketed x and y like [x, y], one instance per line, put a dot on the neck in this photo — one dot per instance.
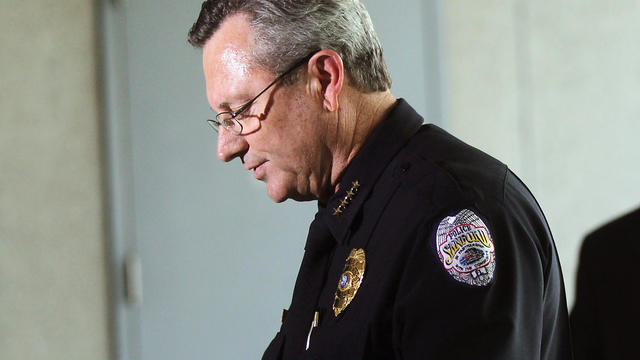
[355, 122]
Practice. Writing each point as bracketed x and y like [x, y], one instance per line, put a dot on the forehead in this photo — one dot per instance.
[226, 60]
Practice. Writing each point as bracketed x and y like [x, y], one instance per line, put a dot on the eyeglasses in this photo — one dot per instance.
[231, 120]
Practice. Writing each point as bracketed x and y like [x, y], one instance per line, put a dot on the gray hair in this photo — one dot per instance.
[286, 31]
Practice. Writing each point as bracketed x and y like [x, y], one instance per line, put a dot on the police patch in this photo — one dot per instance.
[465, 248]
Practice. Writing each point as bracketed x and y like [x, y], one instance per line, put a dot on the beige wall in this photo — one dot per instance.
[52, 244]
[552, 89]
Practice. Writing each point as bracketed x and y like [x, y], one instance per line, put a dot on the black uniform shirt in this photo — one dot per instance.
[605, 316]
[459, 259]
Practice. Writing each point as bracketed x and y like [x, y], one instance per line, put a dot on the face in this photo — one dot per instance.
[287, 151]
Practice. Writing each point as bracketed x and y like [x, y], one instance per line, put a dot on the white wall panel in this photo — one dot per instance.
[552, 89]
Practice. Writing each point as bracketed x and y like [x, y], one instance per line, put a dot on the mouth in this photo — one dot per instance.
[258, 170]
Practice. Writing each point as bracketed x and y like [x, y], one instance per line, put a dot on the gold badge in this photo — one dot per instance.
[350, 280]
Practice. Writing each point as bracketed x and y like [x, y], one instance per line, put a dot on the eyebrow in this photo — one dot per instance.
[227, 106]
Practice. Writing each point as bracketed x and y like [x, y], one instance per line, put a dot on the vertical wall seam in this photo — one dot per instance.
[119, 169]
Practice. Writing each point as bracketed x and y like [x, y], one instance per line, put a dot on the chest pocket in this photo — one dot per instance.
[379, 343]
[341, 342]
[289, 343]
[373, 342]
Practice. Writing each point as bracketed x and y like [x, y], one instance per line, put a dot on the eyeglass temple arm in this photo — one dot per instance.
[295, 66]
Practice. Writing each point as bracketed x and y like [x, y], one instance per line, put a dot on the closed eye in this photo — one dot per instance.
[244, 111]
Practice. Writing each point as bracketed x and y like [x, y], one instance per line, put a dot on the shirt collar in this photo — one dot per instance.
[363, 171]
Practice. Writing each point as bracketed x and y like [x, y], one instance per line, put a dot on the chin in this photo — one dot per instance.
[277, 195]
[277, 199]
[286, 185]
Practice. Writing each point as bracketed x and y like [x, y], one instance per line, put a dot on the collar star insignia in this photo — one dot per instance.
[344, 203]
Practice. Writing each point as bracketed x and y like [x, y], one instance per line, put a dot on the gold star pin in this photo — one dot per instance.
[350, 194]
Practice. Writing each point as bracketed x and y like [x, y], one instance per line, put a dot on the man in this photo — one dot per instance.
[422, 247]
[605, 317]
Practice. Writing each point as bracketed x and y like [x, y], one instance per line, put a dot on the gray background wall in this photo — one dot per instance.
[550, 88]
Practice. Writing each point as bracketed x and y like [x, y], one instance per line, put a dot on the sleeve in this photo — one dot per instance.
[465, 297]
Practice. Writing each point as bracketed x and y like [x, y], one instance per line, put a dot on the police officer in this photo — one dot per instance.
[422, 247]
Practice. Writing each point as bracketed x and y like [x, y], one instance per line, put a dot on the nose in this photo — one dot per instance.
[230, 145]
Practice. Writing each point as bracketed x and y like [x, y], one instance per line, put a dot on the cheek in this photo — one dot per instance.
[284, 146]
[288, 134]
[296, 156]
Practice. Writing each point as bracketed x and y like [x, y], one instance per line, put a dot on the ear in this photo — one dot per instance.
[326, 75]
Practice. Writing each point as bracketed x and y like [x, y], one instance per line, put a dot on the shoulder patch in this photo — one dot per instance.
[465, 248]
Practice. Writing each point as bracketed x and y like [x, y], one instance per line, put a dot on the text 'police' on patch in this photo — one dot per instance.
[465, 248]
